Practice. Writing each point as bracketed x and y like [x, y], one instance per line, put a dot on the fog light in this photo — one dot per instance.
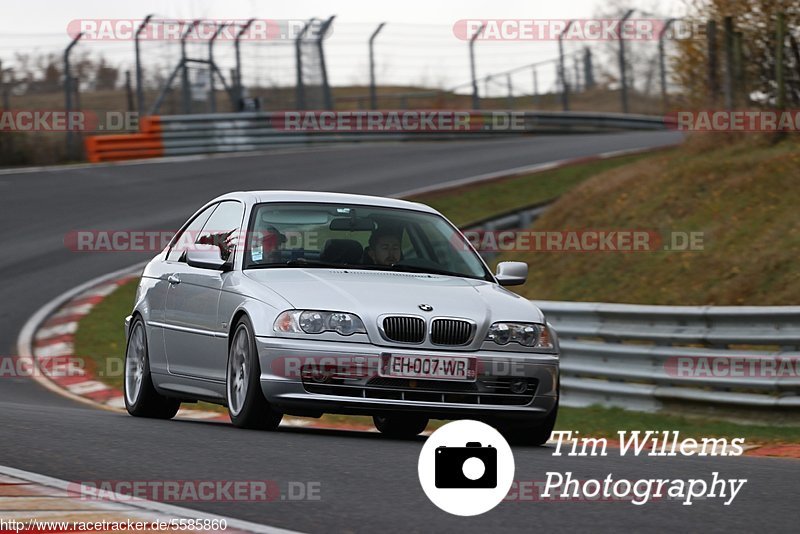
[518, 386]
[321, 377]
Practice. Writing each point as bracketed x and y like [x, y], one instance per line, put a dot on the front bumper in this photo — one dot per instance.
[309, 377]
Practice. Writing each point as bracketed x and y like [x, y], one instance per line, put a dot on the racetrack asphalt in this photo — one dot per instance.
[366, 483]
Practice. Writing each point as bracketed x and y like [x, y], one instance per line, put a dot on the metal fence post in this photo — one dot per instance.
[10, 83]
[741, 83]
[622, 65]
[795, 47]
[476, 101]
[139, 75]
[300, 90]
[576, 66]
[510, 98]
[128, 90]
[562, 73]
[535, 88]
[238, 79]
[185, 69]
[326, 86]
[212, 69]
[588, 69]
[662, 68]
[68, 94]
[373, 95]
[713, 82]
[780, 97]
[728, 92]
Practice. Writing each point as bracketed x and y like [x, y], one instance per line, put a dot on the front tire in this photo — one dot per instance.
[400, 426]
[141, 397]
[535, 434]
[247, 406]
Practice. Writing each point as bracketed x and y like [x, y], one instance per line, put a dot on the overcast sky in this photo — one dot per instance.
[52, 15]
[417, 46]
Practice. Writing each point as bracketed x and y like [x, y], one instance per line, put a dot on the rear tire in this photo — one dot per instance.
[141, 397]
[247, 406]
[400, 426]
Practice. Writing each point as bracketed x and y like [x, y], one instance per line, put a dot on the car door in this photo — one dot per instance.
[195, 342]
[158, 294]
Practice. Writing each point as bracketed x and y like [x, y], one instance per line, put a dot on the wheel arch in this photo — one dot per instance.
[237, 316]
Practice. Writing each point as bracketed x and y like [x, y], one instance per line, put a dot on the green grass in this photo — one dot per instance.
[101, 336]
[597, 421]
[737, 192]
[472, 203]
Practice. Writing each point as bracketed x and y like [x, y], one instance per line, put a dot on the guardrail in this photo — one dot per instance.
[648, 357]
[171, 135]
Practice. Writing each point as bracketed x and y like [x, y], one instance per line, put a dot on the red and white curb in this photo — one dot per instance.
[47, 347]
[38, 502]
[54, 340]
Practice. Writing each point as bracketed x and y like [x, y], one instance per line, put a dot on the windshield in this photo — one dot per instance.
[356, 236]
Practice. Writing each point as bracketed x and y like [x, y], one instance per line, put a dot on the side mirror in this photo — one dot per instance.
[512, 273]
[206, 257]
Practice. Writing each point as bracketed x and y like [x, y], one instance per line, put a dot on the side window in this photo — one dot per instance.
[189, 234]
[222, 228]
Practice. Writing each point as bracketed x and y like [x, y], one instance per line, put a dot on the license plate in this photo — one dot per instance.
[440, 367]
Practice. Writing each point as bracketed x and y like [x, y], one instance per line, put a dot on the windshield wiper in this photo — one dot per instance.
[428, 270]
[303, 262]
[300, 262]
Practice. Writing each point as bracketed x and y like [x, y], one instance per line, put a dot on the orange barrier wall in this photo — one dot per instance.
[147, 143]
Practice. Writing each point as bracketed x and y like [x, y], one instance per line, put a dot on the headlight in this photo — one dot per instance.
[526, 334]
[317, 322]
[312, 322]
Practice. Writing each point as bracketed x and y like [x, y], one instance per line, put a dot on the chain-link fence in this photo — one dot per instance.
[166, 66]
[203, 66]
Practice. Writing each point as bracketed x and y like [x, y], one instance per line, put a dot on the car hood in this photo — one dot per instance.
[373, 293]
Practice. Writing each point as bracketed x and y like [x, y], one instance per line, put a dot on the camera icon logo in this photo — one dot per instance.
[472, 466]
[466, 468]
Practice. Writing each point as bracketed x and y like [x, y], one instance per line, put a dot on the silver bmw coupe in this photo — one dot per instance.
[305, 303]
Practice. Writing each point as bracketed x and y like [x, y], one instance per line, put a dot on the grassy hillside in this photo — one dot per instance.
[742, 193]
[471, 203]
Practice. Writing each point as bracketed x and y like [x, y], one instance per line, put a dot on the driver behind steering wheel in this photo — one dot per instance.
[384, 247]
